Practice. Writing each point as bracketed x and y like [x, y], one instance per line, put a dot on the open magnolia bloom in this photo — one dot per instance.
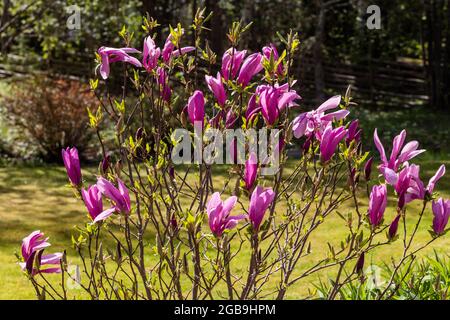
[219, 214]
[111, 55]
[33, 247]
[119, 196]
[316, 121]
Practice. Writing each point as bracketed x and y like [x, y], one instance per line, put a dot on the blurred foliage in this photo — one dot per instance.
[346, 34]
[429, 128]
[100, 23]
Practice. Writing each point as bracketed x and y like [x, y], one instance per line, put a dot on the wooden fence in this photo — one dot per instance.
[374, 83]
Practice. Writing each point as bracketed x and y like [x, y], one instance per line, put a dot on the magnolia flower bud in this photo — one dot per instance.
[174, 223]
[368, 169]
[105, 164]
[307, 144]
[360, 264]
[393, 227]
[139, 133]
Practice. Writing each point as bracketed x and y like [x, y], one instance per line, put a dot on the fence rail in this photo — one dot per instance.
[374, 82]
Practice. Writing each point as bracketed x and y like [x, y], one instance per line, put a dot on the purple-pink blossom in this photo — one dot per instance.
[219, 214]
[399, 154]
[377, 204]
[441, 212]
[163, 82]
[316, 121]
[393, 227]
[272, 101]
[72, 164]
[94, 203]
[231, 62]
[353, 132]
[150, 54]
[259, 202]
[111, 55]
[408, 185]
[368, 169]
[217, 88]
[119, 196]
[32, 248]
[251, 169]
[196, 107]
[434, 179]
[330, 140]
[169, 50]
[269, 51]
[251, 66]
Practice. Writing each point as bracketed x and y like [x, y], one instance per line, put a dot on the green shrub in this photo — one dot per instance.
[48, 114]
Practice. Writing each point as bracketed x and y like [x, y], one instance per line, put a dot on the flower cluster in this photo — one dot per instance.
[405, 179]
[93, 195]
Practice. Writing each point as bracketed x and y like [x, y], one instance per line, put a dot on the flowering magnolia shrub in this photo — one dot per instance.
[161, 229]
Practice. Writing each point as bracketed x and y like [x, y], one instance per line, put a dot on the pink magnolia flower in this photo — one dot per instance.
[150, 54]
[377, 204]
[72, 164]
[272, 50]
[216, 87]
[251, 169]
[231, 62]
[315, 121]
[163, 82]
[399, 155]
[273, 100]
[170, 51]
[93, 200]
[434, 179]
[252, 108]
[111, 55]
[408, 185]
[182, 51]
[330, 140]
[251, 66]
[219, 214]
[230, 119]
[354, 132]
[32, 248]
[119, 196]
[259, 202]
[441, 212]
[196, 107]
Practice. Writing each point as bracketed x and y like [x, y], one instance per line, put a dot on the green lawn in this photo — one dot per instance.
[38, 198]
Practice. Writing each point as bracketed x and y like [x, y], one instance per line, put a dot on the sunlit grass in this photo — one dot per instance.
[34, 198]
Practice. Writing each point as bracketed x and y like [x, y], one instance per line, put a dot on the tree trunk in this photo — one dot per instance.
[319, 75]
[217, 33]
